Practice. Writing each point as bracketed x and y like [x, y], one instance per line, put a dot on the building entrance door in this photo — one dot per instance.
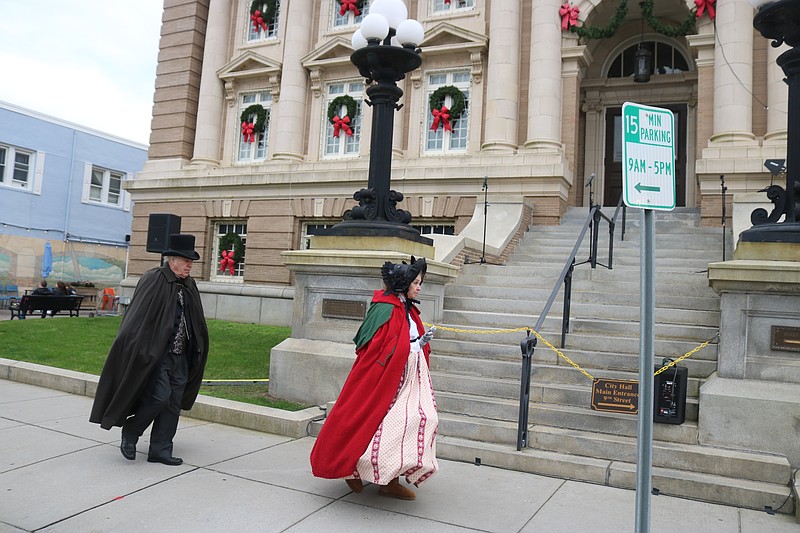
[613, 154]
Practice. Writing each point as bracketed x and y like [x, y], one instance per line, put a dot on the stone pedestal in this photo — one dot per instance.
[753, 401]
[334, 284]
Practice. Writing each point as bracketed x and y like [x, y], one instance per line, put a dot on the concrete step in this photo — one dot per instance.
[682, 483]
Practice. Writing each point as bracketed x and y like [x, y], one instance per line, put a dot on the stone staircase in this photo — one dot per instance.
[477, 376]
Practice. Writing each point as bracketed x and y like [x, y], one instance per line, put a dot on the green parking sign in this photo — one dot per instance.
[648, 157]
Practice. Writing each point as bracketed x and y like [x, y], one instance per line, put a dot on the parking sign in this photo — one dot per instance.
[648, 157]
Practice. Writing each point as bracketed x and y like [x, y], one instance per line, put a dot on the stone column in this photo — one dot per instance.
[545, 88]
[290, 111]
[574, 60]
[733, 73]
[211, 104]
[702, 46]
[502, 94]
[777, 98]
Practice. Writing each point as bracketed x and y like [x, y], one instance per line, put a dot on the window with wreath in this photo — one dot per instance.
[443, 6]
[448, 112]
[253, 126]
[230, 244]
[666, 60]
[343, 119]
[263, 18]
[349, 12]
[16, 166]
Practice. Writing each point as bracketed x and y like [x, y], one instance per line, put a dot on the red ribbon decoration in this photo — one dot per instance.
[348, 4]
[226, 262]
[442, 115]
[247, 132]
[258, 21]
[706, 5]
[569, 16]
[341, 124]
[446, 1]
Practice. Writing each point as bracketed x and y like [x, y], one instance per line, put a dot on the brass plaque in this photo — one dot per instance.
[615, 395]
[354, 310]
[785, 338]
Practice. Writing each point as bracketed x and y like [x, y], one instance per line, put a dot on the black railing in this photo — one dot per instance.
[528, 345]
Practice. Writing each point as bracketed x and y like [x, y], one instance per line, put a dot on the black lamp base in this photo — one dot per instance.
[375, 228]
[780, 232]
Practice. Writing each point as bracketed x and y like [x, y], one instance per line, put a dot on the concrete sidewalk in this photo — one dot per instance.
[58, 472]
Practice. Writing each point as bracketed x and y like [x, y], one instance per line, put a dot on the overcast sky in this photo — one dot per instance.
[91, 62]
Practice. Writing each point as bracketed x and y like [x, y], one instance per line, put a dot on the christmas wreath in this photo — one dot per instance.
[262, 19]
[589, 32]
[342, 123]
[251, 128]
[442, 113]
[569, 17]
[356, 6]
[670, 31]
[228, 241]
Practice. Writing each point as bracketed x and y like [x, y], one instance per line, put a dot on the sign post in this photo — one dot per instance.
[648, 175]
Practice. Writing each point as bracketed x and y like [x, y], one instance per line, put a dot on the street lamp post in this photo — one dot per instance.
[780, 21]
[386, 49]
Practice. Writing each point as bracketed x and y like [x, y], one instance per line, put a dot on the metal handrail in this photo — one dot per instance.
[529, 343]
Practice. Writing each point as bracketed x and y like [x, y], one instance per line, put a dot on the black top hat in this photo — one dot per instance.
[181, 245]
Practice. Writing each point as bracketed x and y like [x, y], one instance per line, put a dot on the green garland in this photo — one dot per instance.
[590, 32]
[231, 240]
[337, 103]
[437, 100]
[261, 117]
[269, 12]
[670, 31]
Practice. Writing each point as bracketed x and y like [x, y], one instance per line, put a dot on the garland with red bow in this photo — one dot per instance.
[254, 121]
[231, 252]
[441, 113]
[569, 16]
[342, 124]
[262, 13]
[569, 20]
[351, 5]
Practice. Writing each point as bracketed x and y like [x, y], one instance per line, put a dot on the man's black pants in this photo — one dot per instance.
[160, 404]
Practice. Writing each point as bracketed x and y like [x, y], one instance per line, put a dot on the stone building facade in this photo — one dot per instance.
[542, 115]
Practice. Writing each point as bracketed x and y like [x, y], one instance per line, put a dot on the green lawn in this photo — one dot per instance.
[237, 351]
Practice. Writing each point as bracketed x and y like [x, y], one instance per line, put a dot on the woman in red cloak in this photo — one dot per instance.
[383, 425]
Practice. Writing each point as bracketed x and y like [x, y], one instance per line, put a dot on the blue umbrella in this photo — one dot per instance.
[47, 260]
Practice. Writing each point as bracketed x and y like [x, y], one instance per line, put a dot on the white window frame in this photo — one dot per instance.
[253, 36]
[221, 227]
[258, 150]
[450, 140]
[10, 168]
[429, 227]
[104, 192]
[439, 7]
[349, 19]
[305, 237]
[343, 146]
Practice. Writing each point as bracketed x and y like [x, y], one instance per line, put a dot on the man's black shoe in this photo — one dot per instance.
[169, 461]
[128, 447]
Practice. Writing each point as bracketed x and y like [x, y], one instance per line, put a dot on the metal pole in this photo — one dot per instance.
[724, 215]
[644, 455]
[485, 214]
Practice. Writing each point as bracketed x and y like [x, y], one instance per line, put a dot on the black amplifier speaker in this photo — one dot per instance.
[669, 395]
[159, 228]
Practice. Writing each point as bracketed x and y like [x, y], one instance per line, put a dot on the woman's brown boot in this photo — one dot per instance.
[355, 485]
[395, 490]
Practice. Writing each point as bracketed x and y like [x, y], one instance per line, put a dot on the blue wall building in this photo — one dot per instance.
[64, 184]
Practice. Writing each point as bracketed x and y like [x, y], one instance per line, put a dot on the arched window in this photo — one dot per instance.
[666, 60]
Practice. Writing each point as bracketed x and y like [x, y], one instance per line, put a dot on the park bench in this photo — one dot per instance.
[29, 303]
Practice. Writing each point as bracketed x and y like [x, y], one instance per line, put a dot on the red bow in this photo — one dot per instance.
[226, 262]
[258, 21]
[703, 5]
[348, 4]
[569, 16]
[442, 114]
[247, 132]
[341, 124]
[446, 1]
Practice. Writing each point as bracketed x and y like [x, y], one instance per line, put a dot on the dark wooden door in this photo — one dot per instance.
[613, 156]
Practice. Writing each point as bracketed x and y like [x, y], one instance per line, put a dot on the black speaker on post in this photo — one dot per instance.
[159, 228]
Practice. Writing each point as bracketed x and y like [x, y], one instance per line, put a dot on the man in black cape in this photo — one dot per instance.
[155, 366]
